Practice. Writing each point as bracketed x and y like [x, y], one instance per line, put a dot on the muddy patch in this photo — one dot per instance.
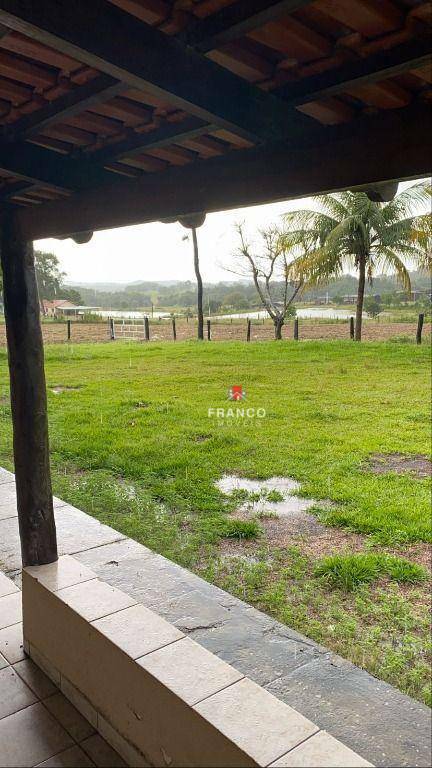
[416, 465]
[316, 543]
[60, 388]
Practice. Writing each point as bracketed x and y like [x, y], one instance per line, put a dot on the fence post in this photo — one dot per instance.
[351, 327]
[174, 329]
[68, 330]
[420, 328]
[147, 329]
[208, 330]
[112, 331]
[296, 329]
[248, 332]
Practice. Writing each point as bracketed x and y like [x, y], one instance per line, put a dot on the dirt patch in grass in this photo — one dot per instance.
[381, 463]
[201, 438]
[312, 538]
[418, 553]
[315, 540]
[60, 388]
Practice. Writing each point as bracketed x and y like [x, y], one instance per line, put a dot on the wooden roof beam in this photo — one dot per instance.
[38, 165]
[395, 145]
[101, 88]
[166, 134]
[7, 191]
[152, 61]
[235, 21]
[402, 58]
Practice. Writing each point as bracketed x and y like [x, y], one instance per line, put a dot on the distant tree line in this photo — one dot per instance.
[238, 296]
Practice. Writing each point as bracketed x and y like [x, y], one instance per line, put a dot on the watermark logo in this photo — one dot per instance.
[236, 416]
[236, 392]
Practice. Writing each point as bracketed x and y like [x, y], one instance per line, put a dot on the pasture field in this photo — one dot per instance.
[133, 444]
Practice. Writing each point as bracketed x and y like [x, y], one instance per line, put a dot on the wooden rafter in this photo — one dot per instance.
[72, 103]
[167, 134]
[382, 65]
[152, 61]
[7, 191]
[400, 149]
[236, 20]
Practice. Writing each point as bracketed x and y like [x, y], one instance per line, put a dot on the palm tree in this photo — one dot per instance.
[348, 231]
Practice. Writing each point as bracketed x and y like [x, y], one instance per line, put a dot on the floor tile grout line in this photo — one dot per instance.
[303, 741]
[97, 546]
[39, 698]
[166, 645]
[21, 709]
[13, 623]
[215, 693]
[75, 742]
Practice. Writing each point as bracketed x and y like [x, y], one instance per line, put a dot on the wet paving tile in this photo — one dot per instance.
[30, 736]
[11, 643]
[14, 693]
[76, 532]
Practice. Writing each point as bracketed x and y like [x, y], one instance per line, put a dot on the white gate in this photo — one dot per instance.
[128, 328]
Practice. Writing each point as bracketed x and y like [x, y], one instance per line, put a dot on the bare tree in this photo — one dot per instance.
[269, 269]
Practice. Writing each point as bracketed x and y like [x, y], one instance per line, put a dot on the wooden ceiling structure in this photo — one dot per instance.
[116, 112]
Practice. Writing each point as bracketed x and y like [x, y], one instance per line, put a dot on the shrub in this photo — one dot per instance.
[240, 529]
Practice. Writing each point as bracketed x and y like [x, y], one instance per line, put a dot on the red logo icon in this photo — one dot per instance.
[236, 392]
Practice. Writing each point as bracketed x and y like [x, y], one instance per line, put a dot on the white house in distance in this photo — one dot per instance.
[57, 308]
[54, 307]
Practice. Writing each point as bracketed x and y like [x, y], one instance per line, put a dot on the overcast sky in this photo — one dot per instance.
[157, 251]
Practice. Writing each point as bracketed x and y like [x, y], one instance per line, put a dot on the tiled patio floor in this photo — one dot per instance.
[371, 717]
[38, 725]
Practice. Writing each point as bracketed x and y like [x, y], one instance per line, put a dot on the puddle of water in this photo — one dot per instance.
[60, 388]
[290, 506]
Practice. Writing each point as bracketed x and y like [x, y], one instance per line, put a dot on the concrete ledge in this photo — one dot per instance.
[155, 695]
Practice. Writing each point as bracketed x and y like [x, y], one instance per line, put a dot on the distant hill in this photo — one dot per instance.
[110, 287]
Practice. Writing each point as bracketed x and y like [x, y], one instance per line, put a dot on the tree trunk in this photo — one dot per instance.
[360, 298]
[278, 324]
[199, 286]
[28, 398]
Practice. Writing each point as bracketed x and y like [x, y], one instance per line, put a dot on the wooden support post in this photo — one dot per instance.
[112, 330]
[68, 330]
[28, 398]
[351, 327]
[248, 332]
[296, 329]
[147, 328]
[419, 328]
[208, 330]
[174, 329]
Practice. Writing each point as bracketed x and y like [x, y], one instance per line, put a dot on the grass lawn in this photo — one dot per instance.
[133, 445]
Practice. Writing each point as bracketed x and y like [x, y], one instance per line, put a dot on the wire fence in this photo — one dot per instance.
[248, 330]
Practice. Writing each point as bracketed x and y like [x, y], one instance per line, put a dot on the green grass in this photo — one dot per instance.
[134, 446]
[240, 529]
[349, 571]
